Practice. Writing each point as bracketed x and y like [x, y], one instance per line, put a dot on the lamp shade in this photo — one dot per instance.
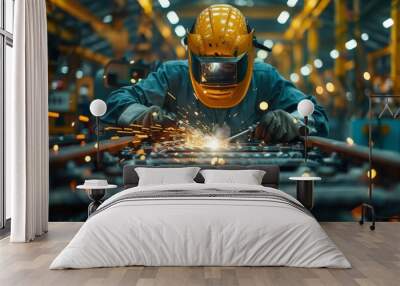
[305, 107]
[98, 107]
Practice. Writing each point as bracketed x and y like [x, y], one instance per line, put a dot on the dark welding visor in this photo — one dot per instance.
[219, 70]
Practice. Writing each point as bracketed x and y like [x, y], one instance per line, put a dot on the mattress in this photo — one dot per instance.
[201, 225]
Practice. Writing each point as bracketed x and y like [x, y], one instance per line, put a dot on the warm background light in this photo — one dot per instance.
[263, 105]
[350, 141]
[319, 90]
[373, 174]
[330, 87]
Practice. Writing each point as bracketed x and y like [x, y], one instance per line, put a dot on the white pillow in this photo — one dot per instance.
[166, 176]
[248, 177]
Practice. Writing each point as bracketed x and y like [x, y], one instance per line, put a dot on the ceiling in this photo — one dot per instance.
[262, 16]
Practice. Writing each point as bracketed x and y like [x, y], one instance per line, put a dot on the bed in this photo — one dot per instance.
[197, 224]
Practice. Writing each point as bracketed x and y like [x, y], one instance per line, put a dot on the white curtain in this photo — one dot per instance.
[27, 124]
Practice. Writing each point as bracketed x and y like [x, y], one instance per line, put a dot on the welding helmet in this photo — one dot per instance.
[221, 55]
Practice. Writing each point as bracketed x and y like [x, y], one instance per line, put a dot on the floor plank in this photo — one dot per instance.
[375, 257]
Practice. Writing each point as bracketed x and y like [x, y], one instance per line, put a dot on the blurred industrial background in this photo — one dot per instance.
[341, 51]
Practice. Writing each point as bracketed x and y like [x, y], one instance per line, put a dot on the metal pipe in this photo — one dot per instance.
[77, 152]
[388, 160]
[248, 130]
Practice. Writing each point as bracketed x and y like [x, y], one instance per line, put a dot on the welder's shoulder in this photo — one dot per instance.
[263, 68]
[175, 66]
[266, 73]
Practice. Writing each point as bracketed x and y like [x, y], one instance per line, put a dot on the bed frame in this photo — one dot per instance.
[270, 179]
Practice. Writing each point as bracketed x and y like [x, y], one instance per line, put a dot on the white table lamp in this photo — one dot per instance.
[98, 108]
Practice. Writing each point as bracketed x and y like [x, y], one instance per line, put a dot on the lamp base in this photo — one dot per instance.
[364, 208]
[96, 196]
[305, 193]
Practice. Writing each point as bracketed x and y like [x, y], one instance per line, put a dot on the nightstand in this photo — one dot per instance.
[305, 190]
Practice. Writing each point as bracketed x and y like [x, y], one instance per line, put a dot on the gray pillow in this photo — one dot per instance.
[248, 177]
[166, 176]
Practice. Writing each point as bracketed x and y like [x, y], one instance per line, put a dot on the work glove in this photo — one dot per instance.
[157, 115]
[277, 126]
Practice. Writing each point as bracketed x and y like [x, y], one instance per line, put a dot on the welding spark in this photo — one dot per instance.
[112, 128]
[141, 136]
[213, 144]
[135, 125]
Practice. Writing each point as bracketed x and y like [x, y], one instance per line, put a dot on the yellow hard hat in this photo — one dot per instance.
[221, 56]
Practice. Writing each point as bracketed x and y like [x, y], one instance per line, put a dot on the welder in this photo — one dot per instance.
[219, 85]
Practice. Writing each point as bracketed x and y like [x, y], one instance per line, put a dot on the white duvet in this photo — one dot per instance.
[200, 231]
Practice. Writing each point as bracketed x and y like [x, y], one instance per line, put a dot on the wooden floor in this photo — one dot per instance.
[375, 257]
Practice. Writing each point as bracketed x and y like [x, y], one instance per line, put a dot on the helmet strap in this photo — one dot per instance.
[260, 46]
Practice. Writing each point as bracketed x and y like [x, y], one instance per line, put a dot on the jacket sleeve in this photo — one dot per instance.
[130, 103]
[286, 96]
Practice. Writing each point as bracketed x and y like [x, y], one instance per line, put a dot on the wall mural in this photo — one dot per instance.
[170, 105]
